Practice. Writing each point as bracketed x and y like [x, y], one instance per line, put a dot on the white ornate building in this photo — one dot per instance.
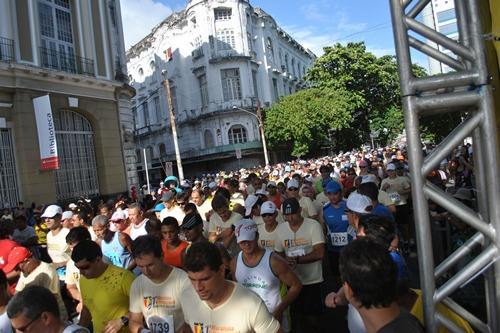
[218, 55]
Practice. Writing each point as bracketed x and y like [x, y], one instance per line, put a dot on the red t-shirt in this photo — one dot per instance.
[173, 257]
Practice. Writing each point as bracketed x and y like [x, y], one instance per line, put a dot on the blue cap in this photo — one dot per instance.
[159, 207]
[332, 187]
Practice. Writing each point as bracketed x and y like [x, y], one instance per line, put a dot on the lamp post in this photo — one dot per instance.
[258, 116]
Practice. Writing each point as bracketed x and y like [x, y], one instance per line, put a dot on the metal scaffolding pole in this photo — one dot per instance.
[468, 89]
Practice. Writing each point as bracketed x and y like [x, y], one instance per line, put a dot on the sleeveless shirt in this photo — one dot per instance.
[115, 252]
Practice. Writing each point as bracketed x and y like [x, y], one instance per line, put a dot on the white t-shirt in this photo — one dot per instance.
[267, 240]
[44, 275]
[57, 247]
[217, 225]
[72, 274]
[242, 312]
[308, 207]
[5, 323]
[138, 231]
[397, 185]
[176, 212]
[159, 302]
[300, 243]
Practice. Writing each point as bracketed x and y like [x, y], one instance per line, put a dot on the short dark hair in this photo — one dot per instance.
[77, 234]
[184, 195]
[219, 202]
[369, 189]
[146, 244]
[222, 191]
[86, 249]
[33, 301]
[370, 272]
[324, 168]
[202, 254]
[170, 221]
[152, 225]
[378, 229]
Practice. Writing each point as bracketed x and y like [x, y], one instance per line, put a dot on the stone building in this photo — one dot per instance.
[223, 59]
[72, 50]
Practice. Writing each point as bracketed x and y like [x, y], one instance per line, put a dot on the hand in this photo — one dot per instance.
[386, 186]
[79, 307]
[278, 314]
[332, 300]
[292, 261]
[113, 326]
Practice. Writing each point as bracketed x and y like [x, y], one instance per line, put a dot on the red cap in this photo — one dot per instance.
[16, 256]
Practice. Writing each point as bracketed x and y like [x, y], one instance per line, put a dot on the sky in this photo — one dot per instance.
[313, 23]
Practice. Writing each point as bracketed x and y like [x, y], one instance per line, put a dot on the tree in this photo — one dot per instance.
[302, 120]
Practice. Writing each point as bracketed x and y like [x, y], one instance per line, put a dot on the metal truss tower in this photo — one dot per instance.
[467, 89]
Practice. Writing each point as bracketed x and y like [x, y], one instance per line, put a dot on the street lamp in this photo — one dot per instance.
[258, 116]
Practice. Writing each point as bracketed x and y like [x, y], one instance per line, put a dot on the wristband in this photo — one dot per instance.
[124, 321]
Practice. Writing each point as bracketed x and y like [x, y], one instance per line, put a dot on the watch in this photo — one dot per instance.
[124, 321]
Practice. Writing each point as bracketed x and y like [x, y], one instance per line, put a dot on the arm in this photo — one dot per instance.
[126, 242]
[285, 274]
[232, 267]
[135, 322]
[85, 317]
[212, 236]
[316, 254]
[334, 299]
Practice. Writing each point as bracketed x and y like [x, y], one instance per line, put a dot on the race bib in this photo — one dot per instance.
[297, 252]
[338, 238]
[159, 324]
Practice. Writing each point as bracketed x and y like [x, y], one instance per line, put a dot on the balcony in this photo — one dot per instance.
[218, 56]
[6, 49]
[60, 61]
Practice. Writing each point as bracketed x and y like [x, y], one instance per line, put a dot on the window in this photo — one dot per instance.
[255, 87]
[231, 88]
[202, 81]
[222, 14]
[286, 62]
[219, 137]
[448, 29]
[150, 154]
[293, 66]
[152, 65]
[162, 150]
[225, 39]
[141, 71]
[157, 109]
[9, 194]
[138, 155]
[275, 89]
[208, 138]
[269, 46]
[145, 114]
[446, 15]
[237, 134]
[77, 173]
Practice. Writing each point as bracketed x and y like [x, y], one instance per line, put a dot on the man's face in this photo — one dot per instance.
[325, 174]
[292, 192]
[120, 225]
[20, 224]
[271, 189]
[149, 265]
[77, 221]
[88, 268]
[207, 282]
[53, 223]
[67, 223]
[224, 213]
[169, 233]
[99, 230]
[292, 218]
[248, 247]
[105, 211]
[353, 219]
[21, 323]
[334, 197]
[196, 198]
[135, 215]
[268, 218]
[193, 233]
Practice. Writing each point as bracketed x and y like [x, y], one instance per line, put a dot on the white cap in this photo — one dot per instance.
[118, 215]
[268, 207]
[249, 203]
[72, 206]
[67, 215]
[52, 211]
[292, 183]
[262, 192]
[359, 203]
[368, 179]
[271, 183]
[212, 185]
[245, 230]
[391, 167]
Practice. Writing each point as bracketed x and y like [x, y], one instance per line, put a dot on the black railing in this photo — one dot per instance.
[66, 62]
[6, 49]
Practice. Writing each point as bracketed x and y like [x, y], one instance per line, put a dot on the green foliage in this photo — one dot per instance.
[303, 119]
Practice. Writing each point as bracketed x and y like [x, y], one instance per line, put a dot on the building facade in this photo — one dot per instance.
[72, 50]
[440, 15]
[224, 59]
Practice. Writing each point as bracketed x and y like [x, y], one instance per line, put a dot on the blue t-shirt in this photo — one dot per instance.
[381, 210]
[340, 233]
[400, 263]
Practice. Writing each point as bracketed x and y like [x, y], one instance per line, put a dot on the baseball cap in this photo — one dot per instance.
[159, 207]
[52, 211]
[118, 216]
[359, 203]
[268, 207]
[391, 167]
[271, 183]
[212, 185]
[249, 203]
[368, 179]
[290, 206]
[261, 192]
[191, 220]
[332, 187]
[167, 196]
[292, 183]
[67, 215]
[72, 206]
[245, 230]
[16, 256]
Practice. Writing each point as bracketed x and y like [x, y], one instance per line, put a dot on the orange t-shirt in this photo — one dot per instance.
[173, 257]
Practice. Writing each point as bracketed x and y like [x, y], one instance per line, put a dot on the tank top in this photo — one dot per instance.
[173, 257]
[260, 279]
[115, 252]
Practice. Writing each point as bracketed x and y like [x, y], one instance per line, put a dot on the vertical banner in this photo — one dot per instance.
[46, 133]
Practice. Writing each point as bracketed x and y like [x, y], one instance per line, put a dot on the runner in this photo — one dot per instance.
[56, 240]
[137, 221]
[171, 245]
[267, 230]
[192, 227]
[221, 224]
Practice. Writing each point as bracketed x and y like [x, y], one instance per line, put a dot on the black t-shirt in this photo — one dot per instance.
[404, 322]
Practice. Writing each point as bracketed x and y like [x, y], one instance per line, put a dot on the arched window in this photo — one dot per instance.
[138, 155]
[77, 173]
[237, 134]
[141, 71]
[208, 139]
[151, 153]
[269, 46]
[219, 137]
[152, 65]
[162, 150]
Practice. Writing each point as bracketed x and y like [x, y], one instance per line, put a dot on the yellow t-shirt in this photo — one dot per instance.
[107, 296]
[217, 225]
[418, 311]
[300, 243]
[243, 312]
[159, 303]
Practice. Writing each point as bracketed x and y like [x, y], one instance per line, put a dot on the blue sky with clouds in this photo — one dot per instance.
[314, 23]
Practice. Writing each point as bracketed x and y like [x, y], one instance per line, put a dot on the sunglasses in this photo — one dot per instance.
[26, 327]
[293, 189]
[181, 203]
[363, 167]
[266, 215]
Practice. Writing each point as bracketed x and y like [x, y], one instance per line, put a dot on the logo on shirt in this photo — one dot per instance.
[289, 243]
[158, 302]
[198, 328]
[267, 243]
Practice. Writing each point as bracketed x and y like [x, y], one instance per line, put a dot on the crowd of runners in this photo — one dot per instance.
[269, 249]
